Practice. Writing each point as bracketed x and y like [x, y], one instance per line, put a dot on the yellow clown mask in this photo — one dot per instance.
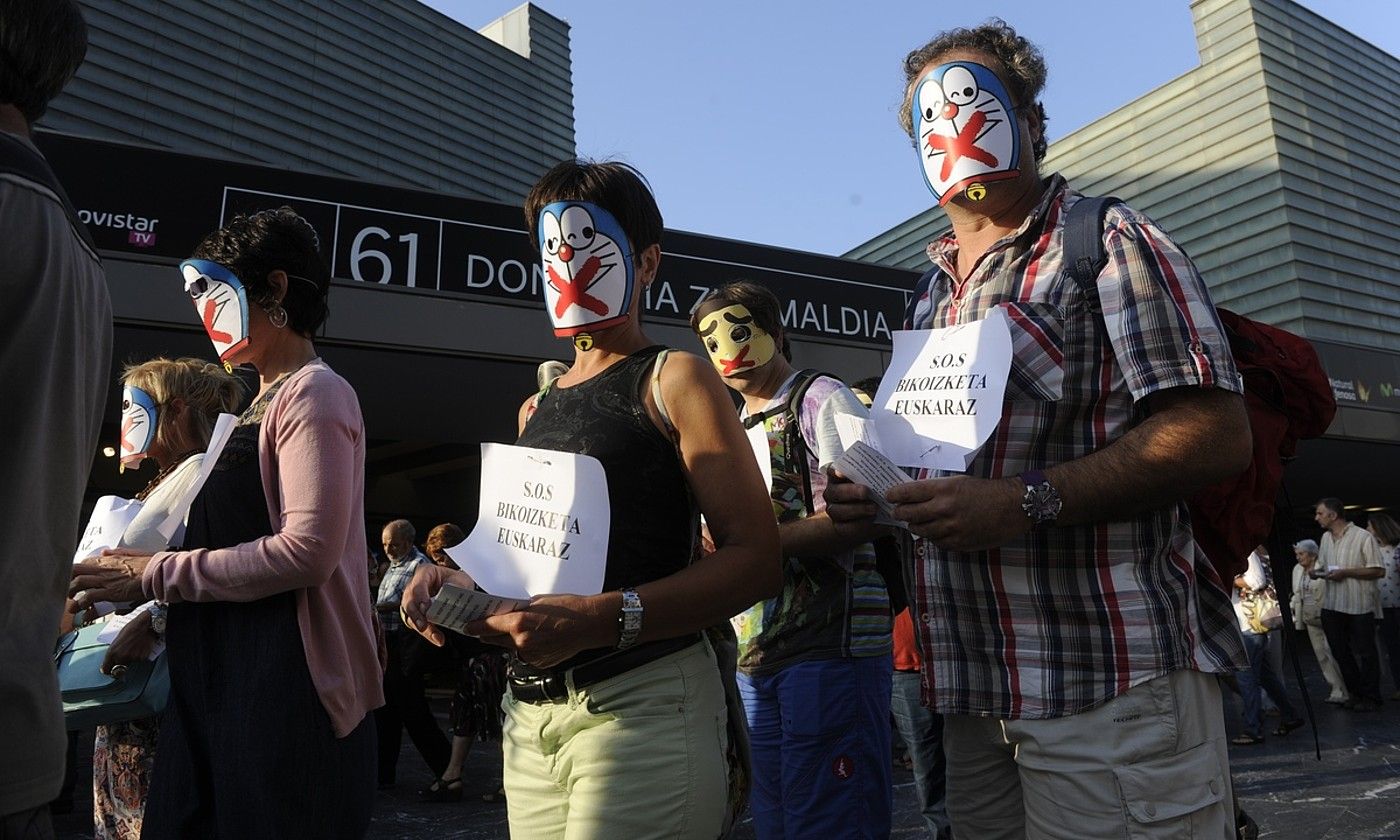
[734, 341]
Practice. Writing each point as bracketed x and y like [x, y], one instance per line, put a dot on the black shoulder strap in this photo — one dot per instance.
[792, 406]
[1083, 243]
[920, 288]
[17, 158]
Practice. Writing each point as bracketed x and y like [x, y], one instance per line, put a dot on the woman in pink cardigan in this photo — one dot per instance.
[271, 647]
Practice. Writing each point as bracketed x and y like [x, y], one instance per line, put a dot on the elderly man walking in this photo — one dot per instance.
[1352, 563]
[1072, 630]
[405, 706]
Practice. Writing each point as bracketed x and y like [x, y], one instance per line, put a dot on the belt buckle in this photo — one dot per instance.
[549, 687]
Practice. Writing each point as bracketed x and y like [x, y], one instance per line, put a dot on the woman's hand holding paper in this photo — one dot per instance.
[114, 576]
[418, 596]
[553, 628]
[133, 644]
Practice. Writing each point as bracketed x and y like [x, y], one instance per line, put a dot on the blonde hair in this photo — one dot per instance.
[206, 388]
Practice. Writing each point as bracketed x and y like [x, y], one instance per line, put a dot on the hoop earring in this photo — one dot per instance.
[277, 316]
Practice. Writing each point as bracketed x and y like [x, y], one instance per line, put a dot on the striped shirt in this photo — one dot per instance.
[1356, 549]
[392, 585]
[1061, 620]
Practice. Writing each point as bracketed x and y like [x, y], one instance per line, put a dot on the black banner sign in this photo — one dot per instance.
[143, 201]
[1362, 378]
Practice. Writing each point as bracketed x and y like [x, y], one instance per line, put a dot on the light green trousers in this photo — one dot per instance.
[640, 755]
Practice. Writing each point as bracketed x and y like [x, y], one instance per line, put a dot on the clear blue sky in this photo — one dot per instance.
[775, 121]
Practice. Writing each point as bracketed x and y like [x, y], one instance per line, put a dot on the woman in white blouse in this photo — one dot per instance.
[1306, 604]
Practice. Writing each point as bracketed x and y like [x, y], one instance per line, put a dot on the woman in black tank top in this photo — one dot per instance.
[616, 709]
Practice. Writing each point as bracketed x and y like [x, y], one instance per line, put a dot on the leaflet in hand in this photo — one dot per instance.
[114, 625]
[105, 527]
[455, 606]
[863, 464]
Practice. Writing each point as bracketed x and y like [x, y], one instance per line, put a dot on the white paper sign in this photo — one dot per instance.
[454, 606]
[862, 464]
[943, 394]
[105, 527]
[223, 429]
[542, 526]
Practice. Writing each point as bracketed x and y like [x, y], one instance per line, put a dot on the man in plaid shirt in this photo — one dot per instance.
[1071, 628]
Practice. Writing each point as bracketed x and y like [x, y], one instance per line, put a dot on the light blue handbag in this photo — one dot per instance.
[92, 698]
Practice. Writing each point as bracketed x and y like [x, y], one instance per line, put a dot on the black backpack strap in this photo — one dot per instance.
[796, 444]
[920, 289]
[1084, 253]
[17, 158]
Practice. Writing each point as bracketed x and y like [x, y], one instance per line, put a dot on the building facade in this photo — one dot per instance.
[1274, 164]
[387, 90]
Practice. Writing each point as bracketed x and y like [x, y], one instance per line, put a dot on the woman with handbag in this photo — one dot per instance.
[168, 411]
[271, 646]
[1256, 607]
[1306, 602]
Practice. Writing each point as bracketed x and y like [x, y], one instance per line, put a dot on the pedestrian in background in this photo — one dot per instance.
[1387, 532]
[1351, 560]
[1309, 590]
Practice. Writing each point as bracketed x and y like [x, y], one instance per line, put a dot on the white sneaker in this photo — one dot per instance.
[1338, 699]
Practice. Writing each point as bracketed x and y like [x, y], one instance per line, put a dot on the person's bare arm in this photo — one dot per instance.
[1190, 438]
[817, 536]
[745, 567]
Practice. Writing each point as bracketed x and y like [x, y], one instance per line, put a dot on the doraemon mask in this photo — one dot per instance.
[587, 265]
[965, 129]
[222, 304]
[735, 342]
[139, 418]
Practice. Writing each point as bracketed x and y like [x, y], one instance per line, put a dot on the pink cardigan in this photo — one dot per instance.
[312, 452]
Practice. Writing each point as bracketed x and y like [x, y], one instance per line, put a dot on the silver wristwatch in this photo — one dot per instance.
[629, 619]
[1041, 501]
[158, 619]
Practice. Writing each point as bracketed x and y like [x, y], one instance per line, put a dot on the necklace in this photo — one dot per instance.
[160, 476]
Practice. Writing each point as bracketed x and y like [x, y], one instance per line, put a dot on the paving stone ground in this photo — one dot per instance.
[1351, 794]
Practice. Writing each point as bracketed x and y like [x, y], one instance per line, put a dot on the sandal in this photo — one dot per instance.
[443, 790]
[1288, 726]
[1246, 740]
[498, 796]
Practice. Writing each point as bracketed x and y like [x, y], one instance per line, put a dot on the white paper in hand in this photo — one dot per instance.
[455, 606]
[105, 527]
[943, 394]
[864, 465]
[114, 625]
[542, 527]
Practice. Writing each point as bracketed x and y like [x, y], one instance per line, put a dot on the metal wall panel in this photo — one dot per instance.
[391, 91]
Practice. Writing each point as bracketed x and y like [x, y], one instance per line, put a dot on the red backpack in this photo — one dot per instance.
[1286, 394]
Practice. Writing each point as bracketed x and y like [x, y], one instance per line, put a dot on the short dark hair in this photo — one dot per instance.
[42, 44]
[767, 311]
[612, 185]
[1021, 61]
[1333, 504]
[254, 246]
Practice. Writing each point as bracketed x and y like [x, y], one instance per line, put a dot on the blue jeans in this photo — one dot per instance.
[819, 733]
[922, 731]
[1260, 674]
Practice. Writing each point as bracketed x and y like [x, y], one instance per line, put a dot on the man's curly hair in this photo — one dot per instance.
[1022, 63]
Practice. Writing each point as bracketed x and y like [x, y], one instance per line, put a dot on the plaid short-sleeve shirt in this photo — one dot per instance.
[1064, 619]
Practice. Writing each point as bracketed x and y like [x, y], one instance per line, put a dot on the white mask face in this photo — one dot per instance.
[587, 265]
[966, 130]
[222, 304]
[139, 418]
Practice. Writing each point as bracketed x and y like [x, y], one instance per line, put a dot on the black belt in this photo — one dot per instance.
[550, 686]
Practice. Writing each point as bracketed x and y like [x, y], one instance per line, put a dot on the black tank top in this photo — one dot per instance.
[654, 522]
